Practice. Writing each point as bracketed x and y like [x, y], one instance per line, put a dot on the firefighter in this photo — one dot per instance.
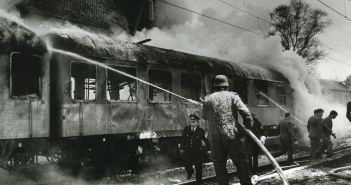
[193, 147]
[287, 138]
[314, 131]
[326, 128]
[220, 110]
[253, 148]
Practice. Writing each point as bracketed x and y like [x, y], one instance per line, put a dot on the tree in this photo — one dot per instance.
[298, 24]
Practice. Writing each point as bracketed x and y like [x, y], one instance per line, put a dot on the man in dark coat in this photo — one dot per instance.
[314, 131]
[287, 138]
[221, 109]
[326, 128]
[193, 147]
[253, 148]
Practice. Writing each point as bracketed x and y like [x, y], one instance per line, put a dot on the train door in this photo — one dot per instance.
[85, 111]
[192, 87]
[162, 109]
[26, 113]
[124, 112]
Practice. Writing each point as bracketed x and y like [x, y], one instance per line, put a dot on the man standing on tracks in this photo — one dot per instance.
[314, 131]
[252, 147]
[326, 128]
[220, 110]
[287, 138]
[193, 147]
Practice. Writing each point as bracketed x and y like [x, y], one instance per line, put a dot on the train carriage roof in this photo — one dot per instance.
[91, 45]
[334, 85]
[16, 37]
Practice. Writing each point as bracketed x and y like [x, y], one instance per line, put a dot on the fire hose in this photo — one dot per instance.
[268, 154]
[334, 172]
[248, 132]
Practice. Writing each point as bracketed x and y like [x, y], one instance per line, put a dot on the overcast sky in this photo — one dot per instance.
[197, 34]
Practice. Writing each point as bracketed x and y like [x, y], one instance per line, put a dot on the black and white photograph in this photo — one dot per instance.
[175, 92]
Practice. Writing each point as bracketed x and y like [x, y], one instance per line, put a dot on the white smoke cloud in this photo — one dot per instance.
[200, 35]
[183, 31]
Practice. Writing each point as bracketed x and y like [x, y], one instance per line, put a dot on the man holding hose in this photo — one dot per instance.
[220, 110]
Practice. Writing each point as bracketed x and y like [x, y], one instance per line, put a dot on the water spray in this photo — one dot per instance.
[282, 108]
[120, 72]
[248, 132]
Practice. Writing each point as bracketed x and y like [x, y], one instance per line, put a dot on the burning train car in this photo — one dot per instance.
[63, 99]
[25, 92]
[335, 91]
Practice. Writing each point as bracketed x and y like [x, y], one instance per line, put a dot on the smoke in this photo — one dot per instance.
[48, 174]
[183, 31]
[180, 30]
[9, 5]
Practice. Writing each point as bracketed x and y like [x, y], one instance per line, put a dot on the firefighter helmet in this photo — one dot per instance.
[220, 81]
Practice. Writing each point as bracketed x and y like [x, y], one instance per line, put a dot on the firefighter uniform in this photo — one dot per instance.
[220, 110]
[252, 148]
[287, 138]
[314, 133]
[194, 144]
[326, 128]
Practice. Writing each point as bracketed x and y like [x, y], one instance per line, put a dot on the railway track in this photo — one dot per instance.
[59, 182]
[173, 175]
[267, 169]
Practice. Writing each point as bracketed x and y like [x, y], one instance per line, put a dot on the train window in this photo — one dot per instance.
[25, 75]
[281, 95]
[240, 87]
[120, 87]
[190, 86]
[162, 79]
[261, 87]
[83, 81]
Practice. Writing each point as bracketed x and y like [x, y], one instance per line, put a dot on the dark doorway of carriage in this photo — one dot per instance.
[25, 75]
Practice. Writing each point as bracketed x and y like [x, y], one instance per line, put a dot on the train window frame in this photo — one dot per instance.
[28, 96]
[232, 80]
[281, 95]
[110, 64]
[148, 88]
[258, 95]
[71, 85]
[201, 90]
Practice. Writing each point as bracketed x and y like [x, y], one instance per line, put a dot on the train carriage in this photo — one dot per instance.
[81, 111]
[24, 92]
[102, 105]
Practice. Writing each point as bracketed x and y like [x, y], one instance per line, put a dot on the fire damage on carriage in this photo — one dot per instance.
[67, 96]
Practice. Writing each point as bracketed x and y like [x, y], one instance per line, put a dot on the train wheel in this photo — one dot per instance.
[54, 155]
[7, 149]
[22, 160]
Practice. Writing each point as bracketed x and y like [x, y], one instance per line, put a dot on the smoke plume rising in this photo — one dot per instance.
[191, 33]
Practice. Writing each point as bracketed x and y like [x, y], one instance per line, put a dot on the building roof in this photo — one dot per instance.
[334, 85]
[98, 13]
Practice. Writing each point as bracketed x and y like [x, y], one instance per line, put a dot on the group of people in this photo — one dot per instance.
[320, 132]
[225, 135]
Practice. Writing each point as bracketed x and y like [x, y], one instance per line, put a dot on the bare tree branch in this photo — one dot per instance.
[298, 24]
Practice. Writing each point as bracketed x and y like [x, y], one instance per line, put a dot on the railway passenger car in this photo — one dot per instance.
[79, 112]
[24, 93]
[334, 91]
[101, 108]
